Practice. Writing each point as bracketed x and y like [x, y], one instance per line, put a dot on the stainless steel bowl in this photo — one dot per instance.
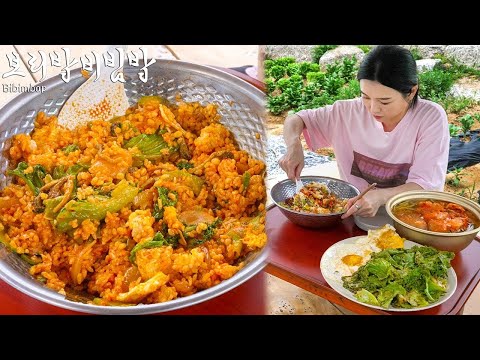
[241, 106]
[443, 241]
[286, 189]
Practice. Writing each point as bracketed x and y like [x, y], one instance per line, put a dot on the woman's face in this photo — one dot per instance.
[386, 105]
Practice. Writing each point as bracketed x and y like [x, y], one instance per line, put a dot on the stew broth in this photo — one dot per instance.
[436, 215]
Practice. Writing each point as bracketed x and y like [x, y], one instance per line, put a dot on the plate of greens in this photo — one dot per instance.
[414, 278]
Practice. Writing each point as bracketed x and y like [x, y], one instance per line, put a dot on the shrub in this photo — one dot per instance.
[319, 50]
[435, 84]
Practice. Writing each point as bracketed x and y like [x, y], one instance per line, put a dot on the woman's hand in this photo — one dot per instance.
[367, 206]
[293, 161]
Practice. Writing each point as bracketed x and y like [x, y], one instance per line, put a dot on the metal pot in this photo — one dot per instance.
[443, 241]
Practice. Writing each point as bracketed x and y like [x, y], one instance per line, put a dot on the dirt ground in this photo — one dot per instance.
[468, 183]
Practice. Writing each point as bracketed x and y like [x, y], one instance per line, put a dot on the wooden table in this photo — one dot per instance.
[246, 299]
[295, 254]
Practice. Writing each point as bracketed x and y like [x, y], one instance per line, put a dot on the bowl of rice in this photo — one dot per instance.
[155, 210]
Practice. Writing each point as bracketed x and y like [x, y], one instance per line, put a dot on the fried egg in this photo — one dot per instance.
[343, 259]
[386, 238]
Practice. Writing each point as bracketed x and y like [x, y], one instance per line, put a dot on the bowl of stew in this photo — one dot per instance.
[442, 220]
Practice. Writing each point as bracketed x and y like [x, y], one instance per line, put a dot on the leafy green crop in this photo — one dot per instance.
[296, 86]
[453, 129]
[365, 48]
[435, 84]
[467, 122]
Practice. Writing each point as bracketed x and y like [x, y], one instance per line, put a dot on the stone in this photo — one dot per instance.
[339, 53]
[427, 64]
[427, 51]
[461, 90]
[299, 52]
[468, 55]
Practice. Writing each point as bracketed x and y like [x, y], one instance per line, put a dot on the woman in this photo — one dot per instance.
[389, 135]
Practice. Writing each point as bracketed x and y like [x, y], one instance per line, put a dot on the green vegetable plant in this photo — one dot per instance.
[365, 48]
[455, 179]
[435, 84]
[453, 129]
[467, 122]
[416, 54]
[157, 241]
[297, 86]
[470, 192]
[455, 104]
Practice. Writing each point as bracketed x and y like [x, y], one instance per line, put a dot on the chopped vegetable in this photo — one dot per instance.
[193, 217]
[207, 234]
[59, 172]
[75, 270]
[402, 278]
[122, 195]
[70, 148]
[210, 231]
[184, 165]
[163, 201]
[192, 181]
[34, 180]
[151, 147]
[50, 205]
[246, 181]
[157, 241]
[30, 259]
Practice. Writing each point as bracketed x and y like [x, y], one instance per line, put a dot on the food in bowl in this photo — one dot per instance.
[315, 198]
[154, 205]
[286, 188]
[447, 241]
[436, 215]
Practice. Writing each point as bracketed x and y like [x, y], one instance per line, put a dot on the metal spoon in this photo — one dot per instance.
[298, 185]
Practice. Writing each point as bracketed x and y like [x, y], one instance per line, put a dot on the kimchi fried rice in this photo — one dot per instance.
[157, 204]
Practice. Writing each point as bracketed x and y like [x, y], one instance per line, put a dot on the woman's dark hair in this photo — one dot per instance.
[392, 66]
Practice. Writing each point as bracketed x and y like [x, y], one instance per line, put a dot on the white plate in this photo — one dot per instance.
[336, 283]
[371, 223]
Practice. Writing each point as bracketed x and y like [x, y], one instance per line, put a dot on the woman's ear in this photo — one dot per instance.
[413, 92]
